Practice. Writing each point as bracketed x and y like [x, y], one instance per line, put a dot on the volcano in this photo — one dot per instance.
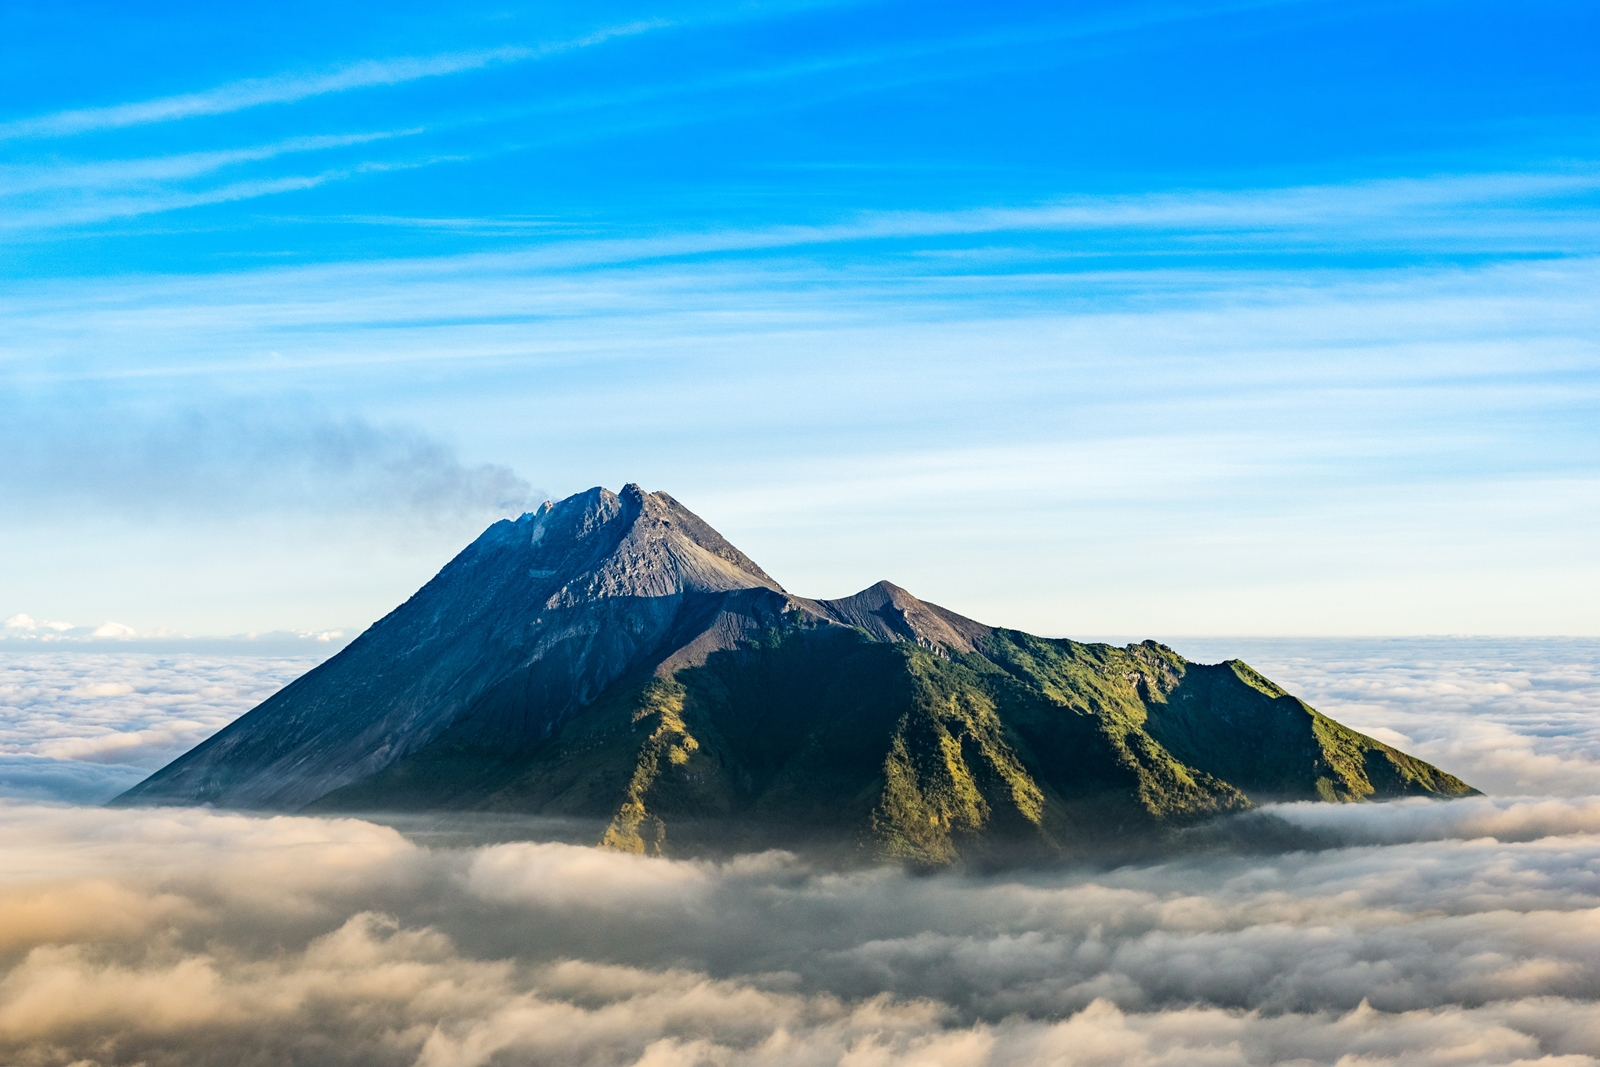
[611, 657]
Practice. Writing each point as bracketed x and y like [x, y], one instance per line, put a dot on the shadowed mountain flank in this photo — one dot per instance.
[612, 657]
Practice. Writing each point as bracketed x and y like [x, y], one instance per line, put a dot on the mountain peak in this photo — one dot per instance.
[525, 626]
[604, 544]
[890, 613]
[612, 654]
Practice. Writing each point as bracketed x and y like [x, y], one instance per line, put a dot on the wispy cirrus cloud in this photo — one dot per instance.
[1540, 211]
[1548, 210]
[292, 87]
[40, 197]
[119, 173]
[133, 202]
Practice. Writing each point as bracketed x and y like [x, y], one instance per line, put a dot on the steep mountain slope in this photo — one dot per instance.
[531, 622]
[611, 657]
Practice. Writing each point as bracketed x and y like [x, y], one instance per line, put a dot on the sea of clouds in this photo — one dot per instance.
[1454, 933]
[83, 725]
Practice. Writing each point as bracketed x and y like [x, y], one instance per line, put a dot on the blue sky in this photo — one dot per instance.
[1268, 318]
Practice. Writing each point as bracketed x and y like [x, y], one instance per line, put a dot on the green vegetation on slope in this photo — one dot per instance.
[669, 746]
[951, 770]
[1239, 726]
[1029, 745]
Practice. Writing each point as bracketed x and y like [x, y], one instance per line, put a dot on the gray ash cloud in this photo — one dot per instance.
[229, 458]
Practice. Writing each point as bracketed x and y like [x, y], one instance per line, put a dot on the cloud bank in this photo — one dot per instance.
[161, 936]
[1423, 933]
[1428, 933]
[83, 726]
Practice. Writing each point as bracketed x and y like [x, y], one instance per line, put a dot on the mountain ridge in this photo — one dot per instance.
[612, 656]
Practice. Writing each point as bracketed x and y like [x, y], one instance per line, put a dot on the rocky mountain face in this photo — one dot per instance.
[612, 657]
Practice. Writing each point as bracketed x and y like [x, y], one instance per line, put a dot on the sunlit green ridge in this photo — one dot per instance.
[612, 658]
[1030, 744]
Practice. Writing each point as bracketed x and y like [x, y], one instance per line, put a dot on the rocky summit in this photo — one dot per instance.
[612, 657]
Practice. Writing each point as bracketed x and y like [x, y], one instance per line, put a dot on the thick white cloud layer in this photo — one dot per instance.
[83, 726]
[166, 936]
[1425, 933]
